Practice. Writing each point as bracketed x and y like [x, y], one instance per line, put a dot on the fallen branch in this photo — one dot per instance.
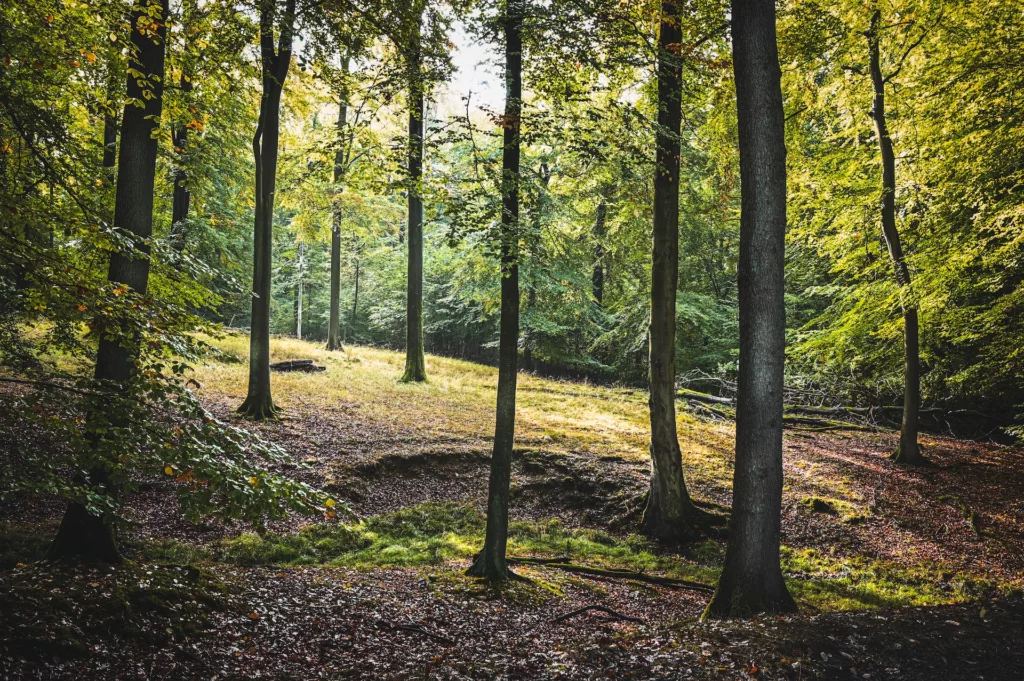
[610, 573]
[614, 615]
[419, 629]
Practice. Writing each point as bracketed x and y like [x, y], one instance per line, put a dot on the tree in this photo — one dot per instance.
[334, 323]
[490, 562]
[751, 580]
[415, 365]
[259, 404]
[82, 533]
[670, 514]
[908, 450]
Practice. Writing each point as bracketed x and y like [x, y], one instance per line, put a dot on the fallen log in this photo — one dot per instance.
[304, 365]
[703, 397]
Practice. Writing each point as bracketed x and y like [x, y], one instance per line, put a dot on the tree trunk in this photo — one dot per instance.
[181, 196]
[258, 403]
[598, 276]
[355, 303]
[334, 324]
[751, 581]
[490, 562]
[298, 298]
[908, 450]
[415, 366]
[82, 534]
[670, 514]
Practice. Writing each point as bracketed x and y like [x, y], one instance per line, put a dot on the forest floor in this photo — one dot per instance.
[900, 573]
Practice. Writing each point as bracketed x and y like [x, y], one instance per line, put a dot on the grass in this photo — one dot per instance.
[457, 403]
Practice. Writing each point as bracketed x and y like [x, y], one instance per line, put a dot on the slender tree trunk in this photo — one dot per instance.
[415, 365]
[81, 533]
[598, 276]
[181, 196]
[490, 562]
[298, 298]
[751, 581]
[333, 326]
[355, 303]
[670, 514]
[908, 450]
[258, 403]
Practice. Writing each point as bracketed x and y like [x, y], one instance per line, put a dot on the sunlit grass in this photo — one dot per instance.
[458, 403]
[440, 534]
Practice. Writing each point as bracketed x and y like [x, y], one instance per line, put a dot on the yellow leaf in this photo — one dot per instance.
[169, 470]
[113, 37]
[255, 482]
[91, 57]
[330, 503]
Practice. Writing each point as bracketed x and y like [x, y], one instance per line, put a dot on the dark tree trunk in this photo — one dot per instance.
[415, 365]
[598, 276]
[82, 534]
[908, 450]
[181, 196]
[751, 581]
[670, 514]
[334, 324]
[259, 404]
[490, 562]
[109, 144]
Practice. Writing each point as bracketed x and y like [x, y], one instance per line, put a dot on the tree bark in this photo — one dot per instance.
[298, 297]
[751, 581]
[415, 365]
[908, 450]
[181, 196]
[334, 323]
[258, 403]
[670, 514]
[82, 534]
[355, 303]
[597, 280]
[490, 563]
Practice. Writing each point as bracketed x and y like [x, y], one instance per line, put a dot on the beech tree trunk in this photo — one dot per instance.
[598, 275]
[670, 514]
[298, 297]
[415, 365]
[181, 196]
[751, 580]
[355, 303]
[82, 534]
[334, 323]
[490, 562]
[908, 450]
[258, 403]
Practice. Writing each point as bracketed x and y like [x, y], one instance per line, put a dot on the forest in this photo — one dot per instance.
[512, 339]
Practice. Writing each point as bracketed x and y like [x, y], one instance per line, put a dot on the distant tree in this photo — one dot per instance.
[490, 562]
[259, 403]
[334, 321]
[751, 581]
